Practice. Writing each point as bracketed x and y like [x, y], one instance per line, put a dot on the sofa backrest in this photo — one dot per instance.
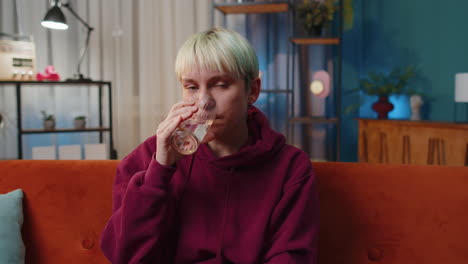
[369, 212]
[374, 213]
[66, 205]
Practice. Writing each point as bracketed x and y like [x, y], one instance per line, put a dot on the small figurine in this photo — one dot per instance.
[416, 103]
[49, 75]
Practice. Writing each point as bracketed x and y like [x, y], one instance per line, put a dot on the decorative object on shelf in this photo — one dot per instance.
[383, 85]
[17, 58]
[320, 85]
[49, 74]
[2, 123]
[461, 90]
[48, 120]
[55, 19]
[313, 15]
[69, 152]
[382, 107]
[79, 122]
[95, 152]
[461, 87]
[44, 153]
[416, 102]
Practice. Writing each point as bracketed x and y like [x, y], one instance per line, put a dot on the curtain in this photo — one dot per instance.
[133, 45]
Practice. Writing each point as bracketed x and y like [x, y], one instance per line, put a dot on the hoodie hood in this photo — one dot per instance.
[263, 143]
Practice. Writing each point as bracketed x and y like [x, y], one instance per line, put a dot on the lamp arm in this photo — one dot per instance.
[68, 6]
[83, 52]
[85, 47]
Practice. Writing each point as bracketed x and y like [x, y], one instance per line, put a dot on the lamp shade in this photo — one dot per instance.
[461, 87]
[55, 18]
[320, 85]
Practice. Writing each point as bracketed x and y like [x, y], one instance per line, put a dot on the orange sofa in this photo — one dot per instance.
[369, 212]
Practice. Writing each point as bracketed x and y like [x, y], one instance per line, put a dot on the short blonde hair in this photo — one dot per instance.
[218, 49]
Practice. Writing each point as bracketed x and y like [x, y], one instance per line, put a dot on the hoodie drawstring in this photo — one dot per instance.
[219, 253]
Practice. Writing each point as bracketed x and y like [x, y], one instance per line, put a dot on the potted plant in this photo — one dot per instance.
[313, 15]
[79, 122]
[385, 84]
[48, 120]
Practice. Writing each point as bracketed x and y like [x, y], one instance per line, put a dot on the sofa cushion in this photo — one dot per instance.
[11, 219]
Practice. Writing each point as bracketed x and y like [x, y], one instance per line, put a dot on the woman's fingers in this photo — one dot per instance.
[180, 105]
[181, 110]
[166, 128]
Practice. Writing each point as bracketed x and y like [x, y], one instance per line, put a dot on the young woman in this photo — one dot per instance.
[244, 196]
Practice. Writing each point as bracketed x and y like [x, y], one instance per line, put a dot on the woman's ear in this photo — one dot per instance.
[254, 91]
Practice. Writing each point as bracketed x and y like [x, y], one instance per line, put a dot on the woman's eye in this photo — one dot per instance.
[223, 85]
[191, 87]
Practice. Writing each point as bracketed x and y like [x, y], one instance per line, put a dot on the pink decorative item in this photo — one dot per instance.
[320, 85]
[49, 75]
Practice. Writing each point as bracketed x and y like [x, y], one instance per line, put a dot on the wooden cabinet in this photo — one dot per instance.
[413, 142]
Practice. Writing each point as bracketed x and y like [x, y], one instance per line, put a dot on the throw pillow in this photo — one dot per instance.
[12, 249]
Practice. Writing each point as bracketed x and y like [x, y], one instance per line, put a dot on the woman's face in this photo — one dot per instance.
[228, 93]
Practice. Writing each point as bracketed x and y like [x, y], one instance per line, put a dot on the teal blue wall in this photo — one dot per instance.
[430, 34]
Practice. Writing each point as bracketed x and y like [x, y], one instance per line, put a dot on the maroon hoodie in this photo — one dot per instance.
[256, 206]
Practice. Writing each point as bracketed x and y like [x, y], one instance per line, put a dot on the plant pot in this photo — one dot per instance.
[307, 30]
[315, 31]
[49, 124]
[79, 124]
[382, 107]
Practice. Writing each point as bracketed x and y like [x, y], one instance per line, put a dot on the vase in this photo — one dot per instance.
[79, 123]
[382, 107]
[49, 124]
[314, 31]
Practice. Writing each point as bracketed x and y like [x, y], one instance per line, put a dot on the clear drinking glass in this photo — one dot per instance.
[190, 133]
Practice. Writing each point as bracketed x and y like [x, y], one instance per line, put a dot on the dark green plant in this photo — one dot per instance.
[46, 116]
[386, 84]
[312, 14]
[80, 118]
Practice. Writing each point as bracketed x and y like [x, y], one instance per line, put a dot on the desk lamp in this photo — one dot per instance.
[461, 96]
[55, 19]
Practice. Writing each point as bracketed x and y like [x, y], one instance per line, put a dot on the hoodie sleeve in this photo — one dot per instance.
[294, 224]
[142, 213]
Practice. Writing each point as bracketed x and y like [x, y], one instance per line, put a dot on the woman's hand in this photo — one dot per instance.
[165, 153]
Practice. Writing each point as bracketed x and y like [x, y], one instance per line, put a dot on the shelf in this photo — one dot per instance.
[316, 41]
[54, 83]
[416, 123]
[314, 120]
[99, 128]
[253, 7]
[64, 130]
[285, 97]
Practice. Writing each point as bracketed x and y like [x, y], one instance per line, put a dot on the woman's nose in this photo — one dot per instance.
[206, 102]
